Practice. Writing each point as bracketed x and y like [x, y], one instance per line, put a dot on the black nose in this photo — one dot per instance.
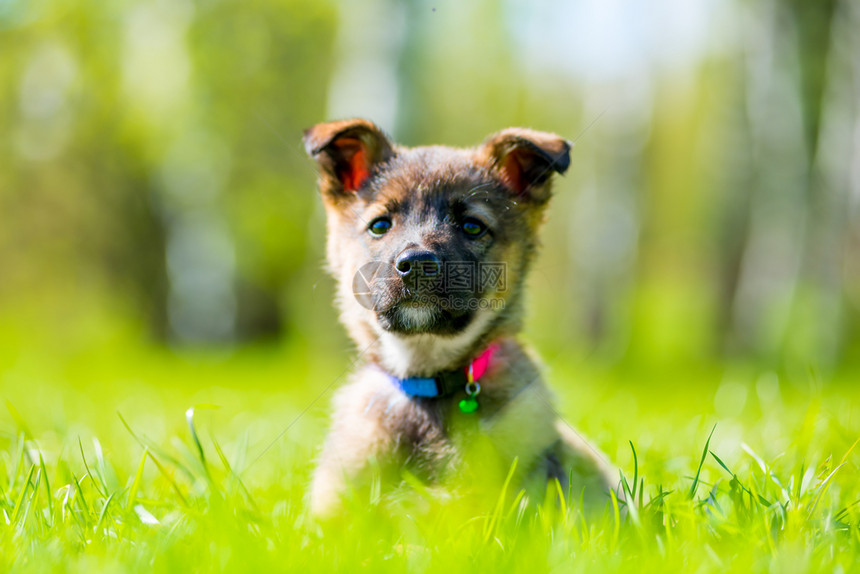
[414, 262]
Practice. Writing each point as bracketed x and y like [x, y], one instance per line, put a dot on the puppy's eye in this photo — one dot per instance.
[473, 228]
[379, 226]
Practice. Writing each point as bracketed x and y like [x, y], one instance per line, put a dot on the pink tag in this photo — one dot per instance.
[482, 362]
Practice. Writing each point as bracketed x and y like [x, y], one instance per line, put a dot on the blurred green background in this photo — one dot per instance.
[155, 196]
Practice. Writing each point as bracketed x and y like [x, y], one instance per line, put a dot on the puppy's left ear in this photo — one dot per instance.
[348, 151]
[527, 159]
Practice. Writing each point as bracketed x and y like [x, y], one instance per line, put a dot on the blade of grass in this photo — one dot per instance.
[33, 495]
[47, 488]
[103, 512]
[135, 485]
[822, 488]
[81, 496]
[19, 462]
[189, 417]
[561, 498]
[154, 448]
[753, 496]
[20, 500]
[635, 467]
[695, 484]
[500, 503]
[101, 464]
[95, 483]
[629, 499]
[515, 505]
[233, 475]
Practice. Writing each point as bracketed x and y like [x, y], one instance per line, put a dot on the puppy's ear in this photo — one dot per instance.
[527, 159]
[347, 151]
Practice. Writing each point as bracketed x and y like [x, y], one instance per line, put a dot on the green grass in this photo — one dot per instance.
[103, 467]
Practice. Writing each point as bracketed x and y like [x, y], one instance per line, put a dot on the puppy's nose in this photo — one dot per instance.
[414, 262]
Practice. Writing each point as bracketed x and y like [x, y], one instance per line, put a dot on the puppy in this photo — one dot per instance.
[430, 247]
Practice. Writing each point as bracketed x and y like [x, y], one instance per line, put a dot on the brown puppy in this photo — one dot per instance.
[430, 247]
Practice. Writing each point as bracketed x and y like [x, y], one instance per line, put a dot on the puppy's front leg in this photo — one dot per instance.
[356, 439]
[579, 460]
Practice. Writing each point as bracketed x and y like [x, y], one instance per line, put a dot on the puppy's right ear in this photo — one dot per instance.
[347, 151]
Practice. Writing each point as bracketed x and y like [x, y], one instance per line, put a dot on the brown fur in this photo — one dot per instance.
[426, 192]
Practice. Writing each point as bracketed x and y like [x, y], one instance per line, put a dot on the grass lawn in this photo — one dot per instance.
[104, 468]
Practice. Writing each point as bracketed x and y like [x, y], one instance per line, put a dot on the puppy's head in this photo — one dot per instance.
[432, 240]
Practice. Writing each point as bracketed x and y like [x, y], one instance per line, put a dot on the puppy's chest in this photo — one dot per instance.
[430, 435]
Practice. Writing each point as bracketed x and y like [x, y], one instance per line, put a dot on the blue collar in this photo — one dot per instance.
[449, 382]
[443, 384]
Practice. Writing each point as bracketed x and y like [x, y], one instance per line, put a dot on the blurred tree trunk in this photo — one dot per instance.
[786, 298]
